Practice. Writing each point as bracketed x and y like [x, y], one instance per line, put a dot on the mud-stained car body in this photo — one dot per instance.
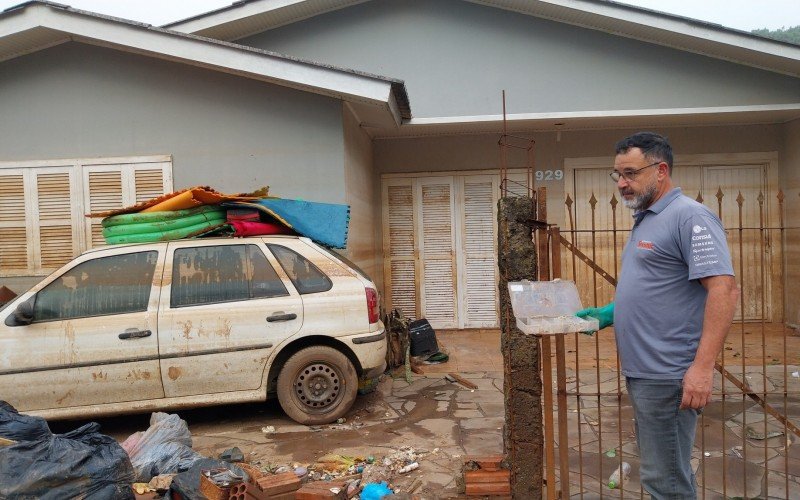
[188, 323]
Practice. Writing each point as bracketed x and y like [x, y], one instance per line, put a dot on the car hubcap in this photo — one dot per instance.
[318, 386]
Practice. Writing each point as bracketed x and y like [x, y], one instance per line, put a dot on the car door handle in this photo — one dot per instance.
[281, 317]
[134, 334]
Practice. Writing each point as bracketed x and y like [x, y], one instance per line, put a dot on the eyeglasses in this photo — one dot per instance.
[629, 175]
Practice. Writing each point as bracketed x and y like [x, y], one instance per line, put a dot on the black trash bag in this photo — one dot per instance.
[186, 485]
[17, 427]
[79, 464]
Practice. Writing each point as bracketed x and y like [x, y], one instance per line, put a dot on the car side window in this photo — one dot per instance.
[114, 284]
[307, 277]
[223, 273]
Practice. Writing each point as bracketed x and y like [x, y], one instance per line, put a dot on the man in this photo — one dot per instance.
[674, 304]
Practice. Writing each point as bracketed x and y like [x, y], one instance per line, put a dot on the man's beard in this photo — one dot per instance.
[642, 200]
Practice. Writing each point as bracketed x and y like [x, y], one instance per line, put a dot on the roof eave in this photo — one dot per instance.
[66, 24]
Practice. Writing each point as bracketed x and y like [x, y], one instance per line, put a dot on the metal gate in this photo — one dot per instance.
[747, 442]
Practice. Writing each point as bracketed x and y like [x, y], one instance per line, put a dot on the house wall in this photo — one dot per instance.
[235, 134]
[456, 57]
[790, 182]
[362, 192]
[476, 152]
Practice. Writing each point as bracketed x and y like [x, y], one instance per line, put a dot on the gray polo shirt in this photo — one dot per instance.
[659, 303]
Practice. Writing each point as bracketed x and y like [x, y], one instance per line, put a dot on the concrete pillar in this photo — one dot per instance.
[523, 433]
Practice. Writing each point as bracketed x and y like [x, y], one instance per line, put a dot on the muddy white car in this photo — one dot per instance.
[189, 323]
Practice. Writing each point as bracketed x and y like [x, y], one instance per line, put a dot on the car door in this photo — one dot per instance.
[225, 311]
[93, 335]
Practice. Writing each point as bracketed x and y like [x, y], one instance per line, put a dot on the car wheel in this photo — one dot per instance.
[317, 385]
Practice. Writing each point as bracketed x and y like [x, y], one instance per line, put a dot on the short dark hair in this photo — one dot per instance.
[655, 147]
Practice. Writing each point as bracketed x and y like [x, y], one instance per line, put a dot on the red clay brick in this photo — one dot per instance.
[487, 476]
[321, 490]
[279, 483]
[485, 462]
[483, 489]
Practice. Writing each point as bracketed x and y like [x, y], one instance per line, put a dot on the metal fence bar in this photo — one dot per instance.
[592, 267]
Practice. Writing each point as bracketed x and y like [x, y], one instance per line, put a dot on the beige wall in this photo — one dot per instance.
[790, 182]
[476, 152]
[361, 193]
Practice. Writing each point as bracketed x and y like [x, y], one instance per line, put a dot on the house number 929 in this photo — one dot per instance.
[549, 175]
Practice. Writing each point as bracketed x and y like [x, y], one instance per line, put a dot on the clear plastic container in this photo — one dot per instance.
[548, 307]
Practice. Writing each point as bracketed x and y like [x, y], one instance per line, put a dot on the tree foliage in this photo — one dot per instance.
[791, 34]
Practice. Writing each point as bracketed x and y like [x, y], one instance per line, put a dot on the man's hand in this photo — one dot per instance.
[605, 315]
[697, 384]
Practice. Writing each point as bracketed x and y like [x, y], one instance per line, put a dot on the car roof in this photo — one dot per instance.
[222, 239]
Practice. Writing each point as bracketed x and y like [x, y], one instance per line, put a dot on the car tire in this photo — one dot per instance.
[317, 385]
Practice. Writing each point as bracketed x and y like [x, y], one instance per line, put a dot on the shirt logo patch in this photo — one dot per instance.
[645, 245]
[698, 229]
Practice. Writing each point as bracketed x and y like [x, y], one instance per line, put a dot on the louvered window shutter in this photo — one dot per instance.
[15, 253]
[400, 247]
[437, 251]
[57, 214]
[102, 191]
[112, 186]
[478, 262]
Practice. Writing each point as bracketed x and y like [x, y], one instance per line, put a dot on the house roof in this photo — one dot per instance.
[378, 101]
[247, 17]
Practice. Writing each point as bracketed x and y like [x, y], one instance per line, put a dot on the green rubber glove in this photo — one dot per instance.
[605, 315]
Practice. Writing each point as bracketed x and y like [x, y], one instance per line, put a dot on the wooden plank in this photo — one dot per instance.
[461, 380]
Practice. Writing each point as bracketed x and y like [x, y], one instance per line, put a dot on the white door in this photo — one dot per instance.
[400, 246]
[440, 247]
[227, 308]
[476, 202]
[704, 181]
[437, 251]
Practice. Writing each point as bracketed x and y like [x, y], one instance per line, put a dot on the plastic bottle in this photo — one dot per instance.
[619, 476]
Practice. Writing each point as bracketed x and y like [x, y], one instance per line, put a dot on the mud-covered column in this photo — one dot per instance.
[522, 385]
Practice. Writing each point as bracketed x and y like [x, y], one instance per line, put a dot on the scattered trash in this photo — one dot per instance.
[187, 483]
[341, 420]
[232, 455]
[737, 451]
[82, 463]
[164, 448]
[611, 453]
[408, 468]
[268, 429]
[796, 374]
[707, 454]
[375, 491]
[461, 380]
[619, 476]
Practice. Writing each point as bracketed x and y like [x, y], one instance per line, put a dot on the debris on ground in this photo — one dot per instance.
[164, 448]
[485, 475]
[232, 455]
[155, 464]
[461, 380]
[82, 463]
[375, 491]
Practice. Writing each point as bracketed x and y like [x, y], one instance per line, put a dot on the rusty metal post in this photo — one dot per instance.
[561, 374]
